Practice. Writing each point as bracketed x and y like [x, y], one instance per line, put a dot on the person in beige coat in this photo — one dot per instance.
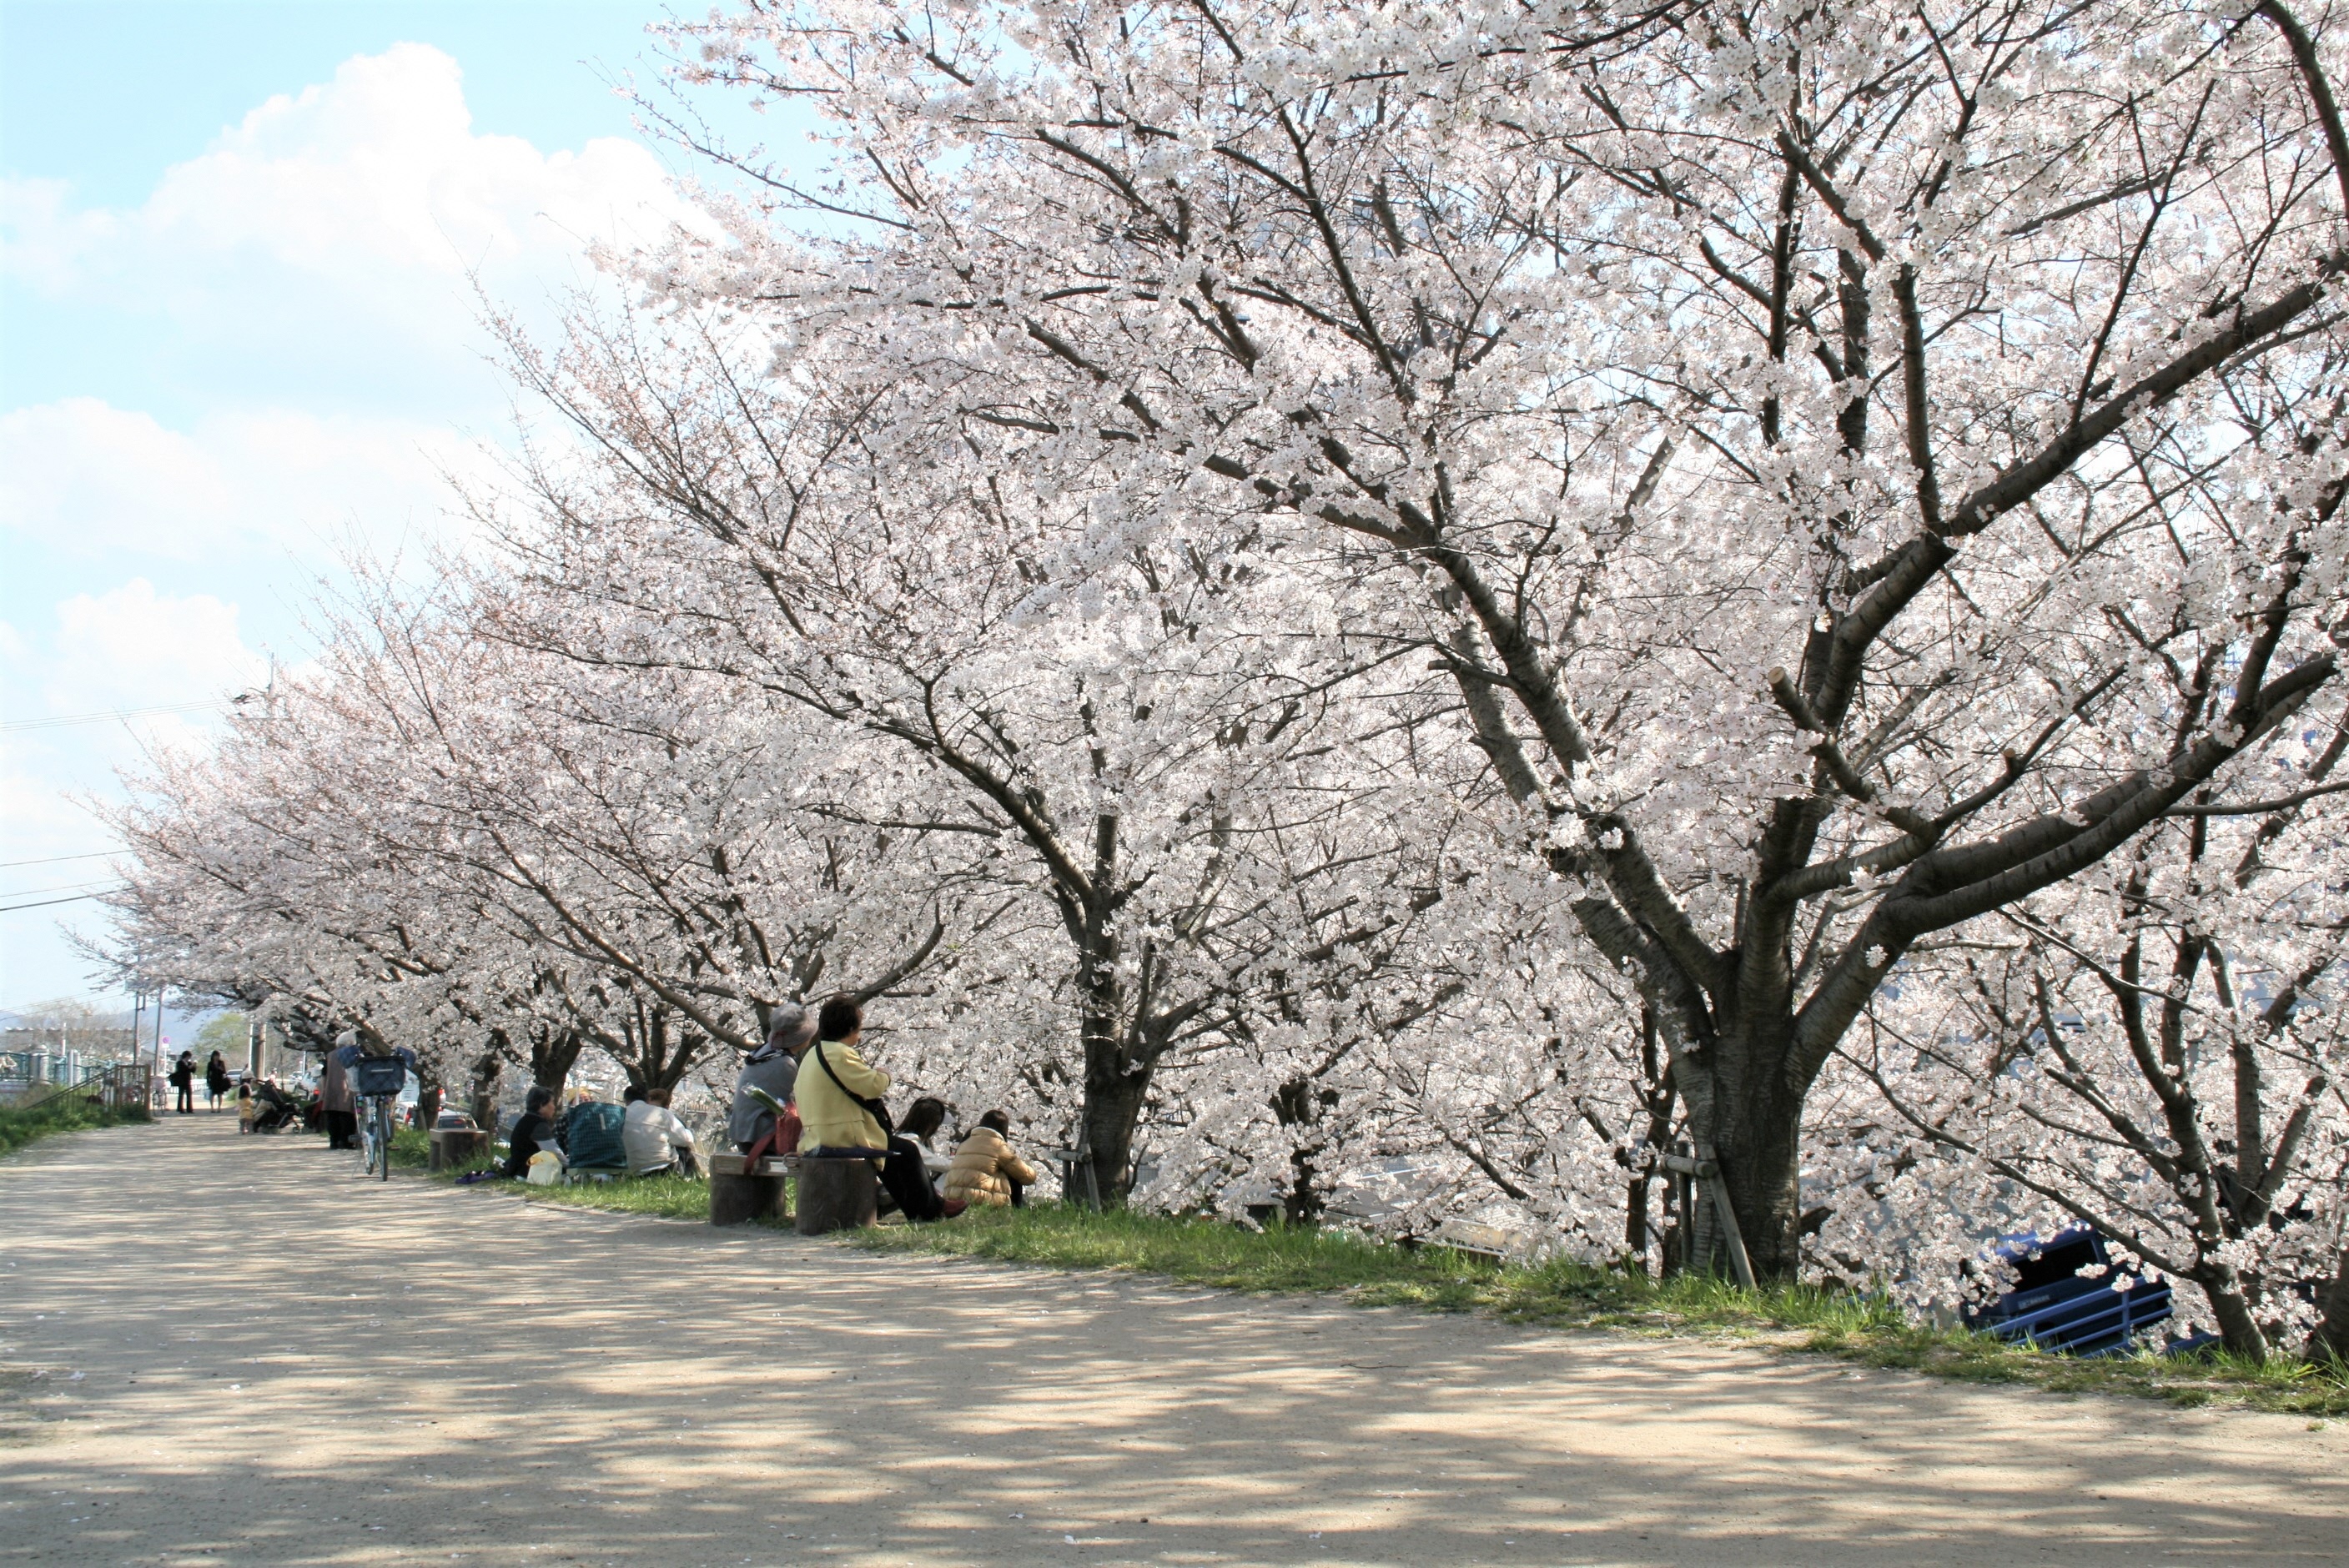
[985, 1169]
[841, 1113]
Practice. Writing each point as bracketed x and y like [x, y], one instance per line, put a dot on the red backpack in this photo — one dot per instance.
[782, 1136]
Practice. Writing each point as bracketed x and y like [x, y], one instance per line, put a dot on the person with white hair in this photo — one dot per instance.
[773, 1071]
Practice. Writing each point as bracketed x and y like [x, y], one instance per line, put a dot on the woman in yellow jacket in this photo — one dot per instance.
[985, 1171]
[839, 1095]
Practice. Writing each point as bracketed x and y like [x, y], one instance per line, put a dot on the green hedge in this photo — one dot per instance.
[65, 1113]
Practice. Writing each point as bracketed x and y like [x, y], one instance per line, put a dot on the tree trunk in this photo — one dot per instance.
[489, 1068]
[1298, 1107]
[552, 1056]
[1758, 1140]
[1112, 1110]
[2331, 1339]
[1660, 1094]
[2239, 1330]
[654, 1051]
[1114, 1088]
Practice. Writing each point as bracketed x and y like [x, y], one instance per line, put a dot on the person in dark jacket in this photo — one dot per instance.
[532, 1130]
[774, 1067]
[338, 1104]
[923, 1121]
[183, 1079]
[216, 1079]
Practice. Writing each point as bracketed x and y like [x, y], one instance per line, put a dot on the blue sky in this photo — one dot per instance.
[238, 332]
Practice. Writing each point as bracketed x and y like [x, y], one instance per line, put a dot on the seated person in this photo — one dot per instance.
[594, 1135]
[772, 1070]
[839, 1095]
[657, 1143]
[534, 1129]
[922, 1122]
[985, 1171]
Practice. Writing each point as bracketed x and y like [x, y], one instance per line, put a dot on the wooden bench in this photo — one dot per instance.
[833, 1194]
[837, 1194]
[739, 1194]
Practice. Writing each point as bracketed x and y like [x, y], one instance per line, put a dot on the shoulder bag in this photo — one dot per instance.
[873, 1108]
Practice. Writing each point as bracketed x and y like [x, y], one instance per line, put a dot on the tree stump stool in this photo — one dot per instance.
[739, 1194]
[836, 1195]
[454, 1148]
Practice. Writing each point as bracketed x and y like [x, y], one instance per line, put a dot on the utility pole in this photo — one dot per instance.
[157, 1071]
[137, 1011]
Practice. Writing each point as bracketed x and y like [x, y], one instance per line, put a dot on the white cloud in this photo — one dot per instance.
[376, 177]
[133, 647]
[323, 267]
[81, 477]
[290, 355]
[126, 649]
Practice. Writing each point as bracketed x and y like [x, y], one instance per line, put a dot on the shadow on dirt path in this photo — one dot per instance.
[216, 1349]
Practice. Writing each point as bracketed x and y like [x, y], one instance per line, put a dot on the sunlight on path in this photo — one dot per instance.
[226, 1350]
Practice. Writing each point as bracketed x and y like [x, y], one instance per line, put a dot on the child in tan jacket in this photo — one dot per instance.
[985, 1169]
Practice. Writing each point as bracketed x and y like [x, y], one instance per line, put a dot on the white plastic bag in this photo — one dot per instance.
[545, 1169]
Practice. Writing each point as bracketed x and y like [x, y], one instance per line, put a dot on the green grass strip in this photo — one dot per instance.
[63, 1113]
[1868, 1330]
[662, 1197]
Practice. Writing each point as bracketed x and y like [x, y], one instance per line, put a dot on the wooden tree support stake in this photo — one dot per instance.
[1706, 1169]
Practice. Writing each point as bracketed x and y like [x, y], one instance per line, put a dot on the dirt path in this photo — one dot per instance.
[246, 1355]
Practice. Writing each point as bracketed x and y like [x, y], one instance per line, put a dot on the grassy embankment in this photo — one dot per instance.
[63, 1113]
[667, 1197]
[1367, 1273]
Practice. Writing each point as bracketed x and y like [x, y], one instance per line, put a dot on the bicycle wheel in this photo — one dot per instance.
[383, 1137]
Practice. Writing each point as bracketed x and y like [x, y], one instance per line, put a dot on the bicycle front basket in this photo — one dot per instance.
[378, 1075]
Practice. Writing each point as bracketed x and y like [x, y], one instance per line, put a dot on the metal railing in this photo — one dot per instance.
[114, 1086]
[2099, 1321]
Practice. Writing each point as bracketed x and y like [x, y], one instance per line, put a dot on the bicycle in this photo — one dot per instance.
[377, 1081]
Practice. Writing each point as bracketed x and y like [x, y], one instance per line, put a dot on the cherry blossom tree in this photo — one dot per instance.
[1151, 749]
[1805, 433]
[2158, 1053]
[1329, 599]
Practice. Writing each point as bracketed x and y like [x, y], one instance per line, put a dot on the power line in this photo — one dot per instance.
[58, 860]
[101, 883]
[45, 903]
[14, 724]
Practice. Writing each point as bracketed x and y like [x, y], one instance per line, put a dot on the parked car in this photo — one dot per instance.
[2057, 1307]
